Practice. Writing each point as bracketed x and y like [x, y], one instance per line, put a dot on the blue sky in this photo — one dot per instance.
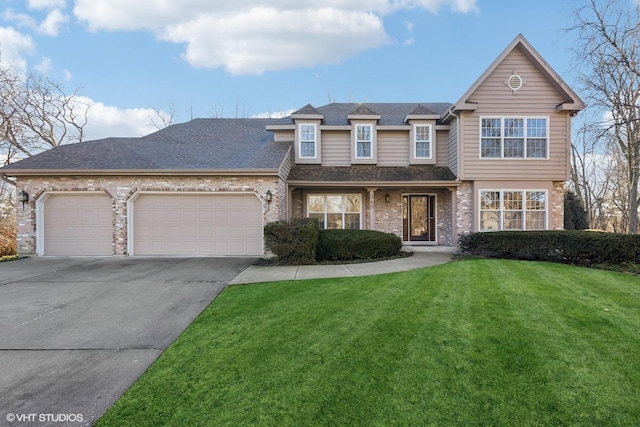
[246, 58]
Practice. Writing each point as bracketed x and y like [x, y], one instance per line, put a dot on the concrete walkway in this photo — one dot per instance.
[257, 274]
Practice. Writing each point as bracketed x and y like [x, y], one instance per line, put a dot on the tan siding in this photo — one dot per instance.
[285, 168]
[393, 148]
[442, 150]
[283, 135]
[536, 98]
[336, 148]
[452, 147]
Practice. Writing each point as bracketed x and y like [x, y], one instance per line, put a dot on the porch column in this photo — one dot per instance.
[372, 207]
[454, 215]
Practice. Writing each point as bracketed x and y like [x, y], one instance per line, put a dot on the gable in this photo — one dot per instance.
[518, 58]
[495, 95]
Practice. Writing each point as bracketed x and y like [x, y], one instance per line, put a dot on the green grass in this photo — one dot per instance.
[470, 343]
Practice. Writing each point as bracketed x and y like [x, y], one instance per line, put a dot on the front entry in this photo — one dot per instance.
[419, 218]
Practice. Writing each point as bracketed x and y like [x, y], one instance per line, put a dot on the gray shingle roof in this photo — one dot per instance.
[370, 173]
[207, 144]
[201, 144]
[391, 113]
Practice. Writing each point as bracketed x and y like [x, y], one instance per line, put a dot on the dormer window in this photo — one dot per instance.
[422, 141]
[364, 141]
[308, 143]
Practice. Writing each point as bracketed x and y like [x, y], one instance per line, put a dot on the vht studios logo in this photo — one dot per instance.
[43, 418]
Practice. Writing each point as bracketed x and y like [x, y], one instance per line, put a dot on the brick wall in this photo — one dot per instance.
[120, 189]
[464, 209]
[557, 206]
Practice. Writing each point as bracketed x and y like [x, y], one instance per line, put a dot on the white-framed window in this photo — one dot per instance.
[422, 141]
[308, 143]
[513, 210]
[336, 211]
[514, 137]
[364, 141]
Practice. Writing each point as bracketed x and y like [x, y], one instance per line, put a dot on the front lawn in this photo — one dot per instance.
[475, 342]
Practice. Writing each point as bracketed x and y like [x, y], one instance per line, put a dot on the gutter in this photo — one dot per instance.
[375, 183]
[133, 172]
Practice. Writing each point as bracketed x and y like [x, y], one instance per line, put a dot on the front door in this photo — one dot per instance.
[419, 218]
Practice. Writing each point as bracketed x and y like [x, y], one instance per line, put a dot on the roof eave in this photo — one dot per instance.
[306, 183]
[139, 172]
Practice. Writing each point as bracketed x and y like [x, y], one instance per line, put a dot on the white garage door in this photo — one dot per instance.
[197, 224]
[78, 224]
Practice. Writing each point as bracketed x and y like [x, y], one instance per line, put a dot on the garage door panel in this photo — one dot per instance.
[198, 224]
[78, 224]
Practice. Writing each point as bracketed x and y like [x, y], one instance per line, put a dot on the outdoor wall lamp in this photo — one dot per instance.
[387, 198]
[23, 197]
[268, 196]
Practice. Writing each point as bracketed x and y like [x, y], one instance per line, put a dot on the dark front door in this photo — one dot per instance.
[419, 219]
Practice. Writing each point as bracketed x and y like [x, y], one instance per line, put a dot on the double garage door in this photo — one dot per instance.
[161, 224]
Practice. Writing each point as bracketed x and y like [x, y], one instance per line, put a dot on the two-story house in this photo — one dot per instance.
[428, 172]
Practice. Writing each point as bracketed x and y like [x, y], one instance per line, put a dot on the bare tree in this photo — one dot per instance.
[35, 115]
[161, 119]
[608, 48]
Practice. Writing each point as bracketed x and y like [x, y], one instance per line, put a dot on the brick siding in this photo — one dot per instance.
[121, 188]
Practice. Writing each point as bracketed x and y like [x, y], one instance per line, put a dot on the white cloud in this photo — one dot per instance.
[67, 76]
[246, 37]
[263, 39]
[53, 23]
[44, 66]
[104, 121]
[13, 48]
[46, 4]
[21, 19]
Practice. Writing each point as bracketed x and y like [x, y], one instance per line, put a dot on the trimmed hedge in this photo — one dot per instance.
[582, 248]
[348, 245]
[293, 242]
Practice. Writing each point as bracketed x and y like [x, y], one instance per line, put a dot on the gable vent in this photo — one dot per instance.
[514, 82]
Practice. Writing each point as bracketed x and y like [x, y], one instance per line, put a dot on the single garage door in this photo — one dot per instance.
[197, 224]
[78, 224]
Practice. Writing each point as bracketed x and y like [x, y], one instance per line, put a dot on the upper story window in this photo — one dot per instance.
[514, 138]
[364, 141]
[422, 141]
[308, 143]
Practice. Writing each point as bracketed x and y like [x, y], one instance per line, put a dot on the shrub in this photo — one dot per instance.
[582, 248]
[293, 242]
[346, 245]
[7, 240]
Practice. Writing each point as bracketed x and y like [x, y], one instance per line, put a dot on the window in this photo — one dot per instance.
[513, 210]
[513, 138]
[422, 141]
[364, 141]
[307, 140]
[335, 211]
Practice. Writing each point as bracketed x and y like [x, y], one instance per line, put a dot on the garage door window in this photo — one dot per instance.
[335, 211]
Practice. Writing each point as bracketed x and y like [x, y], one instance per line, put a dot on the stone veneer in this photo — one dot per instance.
[121, 188]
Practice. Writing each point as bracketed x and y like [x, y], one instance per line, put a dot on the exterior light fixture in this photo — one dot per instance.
[23, 197]
[268, 196]
[387, 198]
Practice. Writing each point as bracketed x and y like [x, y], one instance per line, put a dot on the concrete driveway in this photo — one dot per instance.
[75, 333]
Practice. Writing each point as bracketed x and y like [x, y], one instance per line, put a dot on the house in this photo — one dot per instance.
[497, 159]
